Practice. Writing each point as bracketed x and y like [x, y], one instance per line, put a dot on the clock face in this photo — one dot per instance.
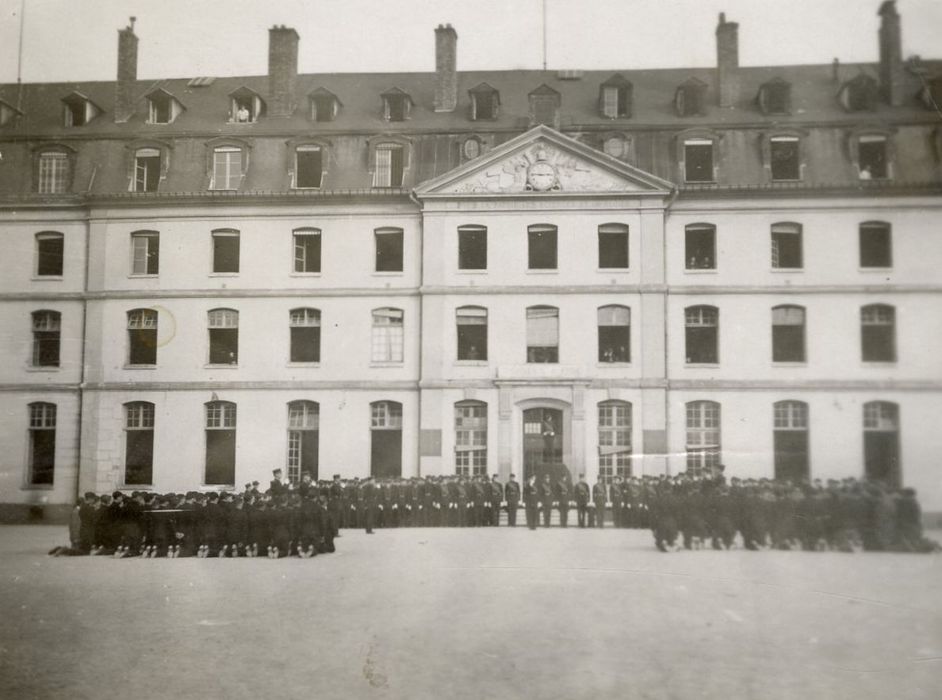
[541, 176]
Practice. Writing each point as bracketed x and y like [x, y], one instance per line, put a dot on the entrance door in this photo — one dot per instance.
[881, 457]
[386, 439]
[542, 442]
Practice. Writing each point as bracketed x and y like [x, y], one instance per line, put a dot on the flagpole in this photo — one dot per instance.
[544, 34]
[19, 56]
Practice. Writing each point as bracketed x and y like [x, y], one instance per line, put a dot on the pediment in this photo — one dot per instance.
[543, 161]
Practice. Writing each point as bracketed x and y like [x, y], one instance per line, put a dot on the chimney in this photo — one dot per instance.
[727, 62]
[446, 75]
[127, 73]
[282, 70]
[892, 73]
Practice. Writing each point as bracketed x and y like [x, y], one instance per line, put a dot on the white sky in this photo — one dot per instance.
[74, 40]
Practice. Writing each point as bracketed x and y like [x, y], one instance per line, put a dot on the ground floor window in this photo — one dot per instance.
[471, 438]
[42, 443]
[385, 439]
[220, 443]
[138, 443]
[614, 440]
[703, 437]
[881, 443]
[303, 439]
[791, 441]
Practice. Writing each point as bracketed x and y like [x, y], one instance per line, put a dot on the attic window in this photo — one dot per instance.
[245, 107]
[859, 94]
[690, 99]
[872, 156]
[324, 107]
[78, 110]
[396, 107]
[6, 113]
[615, 98]
[162, 108]
[485, 101]
[544, 106]
[775, 97]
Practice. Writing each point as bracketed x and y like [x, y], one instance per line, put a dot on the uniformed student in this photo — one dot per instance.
[546, 499]
[582, 495]
[531, 501]
[599, 499]
[512, 494]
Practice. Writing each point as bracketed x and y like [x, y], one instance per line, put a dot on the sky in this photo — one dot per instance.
[76, 40]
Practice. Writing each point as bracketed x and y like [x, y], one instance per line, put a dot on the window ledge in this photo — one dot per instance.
[461, 271]
[223, 274]
[303, 364]
[218, 487]
[375, 363]
[789, 364]
[602, 365]
[139, 367]
[212, 366]
[47, 278]
[701, 365]
[612, 269]
[879, 364]
[543, 271]
[471, 363]
[305, 274]
[306, 189]
[135, 487]
[875, 270]
[38, 487]
[700, 271]
[134, 276]
[57, 368]
[785, 270]
[388, 273]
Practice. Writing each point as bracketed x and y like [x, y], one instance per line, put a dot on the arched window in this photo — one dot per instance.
[42, 443]
[388, 335]
[223, 337]
[386, 439]
[614, 440]
[220, 443]
[791, 441]
[704, 448]
[878, 333]
[702, 334]
[303, 439]
[47, 332]
[305, 335]
[881, 442]
[542, 334]
[614, 334]
[471, 438]
[788, 334]
[142, 337]
[138, 443]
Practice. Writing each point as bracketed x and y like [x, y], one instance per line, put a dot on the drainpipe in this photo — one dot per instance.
[421, 280]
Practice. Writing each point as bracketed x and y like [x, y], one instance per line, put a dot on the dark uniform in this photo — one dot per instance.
[582, 497]
[512, 494]
[599, 497]
[531, 501]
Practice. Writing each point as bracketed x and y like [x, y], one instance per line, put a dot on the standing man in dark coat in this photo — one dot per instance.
[497, 497]
[582, 497]
[599, 497]
[531, 501]
[512, 495]
[546, 499]
[370, 500]
[563, 496]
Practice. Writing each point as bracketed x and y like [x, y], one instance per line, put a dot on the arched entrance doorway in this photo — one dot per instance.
[543, 440]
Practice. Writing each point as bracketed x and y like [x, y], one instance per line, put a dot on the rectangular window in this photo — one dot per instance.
[308, 167]
[160, 110]
[323, 108]
[471, 439]
[142, 337]
[876, 249]
[614, 440]
[702, 337]
[305, 335]
[307, 250]
[397, 108]
[388, 249]
[472, 248]
[703, 437]
[42, 444]
[223, 337]
[139, 443]
[698, 160]
[484, 105]
[388, 335]
[542, 334]
[388, 166]
[700, 247]
[145, 253]
[872, 156]
[472, 333]
[53, 173]
[788, 334]
[878, 333]
[225, 251]
[50, 248]
[784, 158]
[610, 102]
[46, 338]
[227, 168]
[220, 443]
[614, 334]
[786, 246]
[613, 246]
[146, 170]
[542, 247]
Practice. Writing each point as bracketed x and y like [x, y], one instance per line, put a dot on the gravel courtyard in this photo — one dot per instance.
[484, 613]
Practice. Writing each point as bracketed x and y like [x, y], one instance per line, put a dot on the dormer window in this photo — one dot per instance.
[53, 170]
[690, 99]
[485, 102]
[162, 107]
[78, 110]
[324, 105]
[308, 167]
[775, 97]
[388, 165]
[7, 113]
[615, 97]
[872, 157]
[544, 106]
[859, 94]
[396, 105]
[245, 107]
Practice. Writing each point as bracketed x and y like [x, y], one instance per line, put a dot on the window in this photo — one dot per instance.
[138, 443]
[690, 98]
[227, 168]
[307, 250]
[303, 439]
[305, 335]
[386, 415]
[50, 247]
[786, 246]
[784, 158]
[142, 337]
[54, 174]
[614, 334]
[225, 251]
[791, 441]
[703, 437]
[388, 249]
[702, 335]
[145, 253]
[881, 442]
[223, 337]
[775, 97]
[871, 154]
[146, 170]
[396, 106]
[472, 248]
[472, 333]
[162, 108]
[613, 246]
[308, 167]
[387, 335]
[324, 106]
[615, 97]
[698, 160]
[876, 244]
[220, 443]
[859, 94]
[389, 165]
[78, 110]
[614, 440]
[878, 333]
[700, 246]
[7, 113]
[471, 438]
[245, 107]
[46, 338]
[485, 102]
[42, 443]
[616, 146]
[542, 247]
[788, 334]
[471, 148]
[544, 105]
[542, 334]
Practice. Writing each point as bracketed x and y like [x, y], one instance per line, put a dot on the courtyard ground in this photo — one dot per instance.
[481, 613]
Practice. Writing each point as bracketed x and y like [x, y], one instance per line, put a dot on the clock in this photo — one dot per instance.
[541, 176]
